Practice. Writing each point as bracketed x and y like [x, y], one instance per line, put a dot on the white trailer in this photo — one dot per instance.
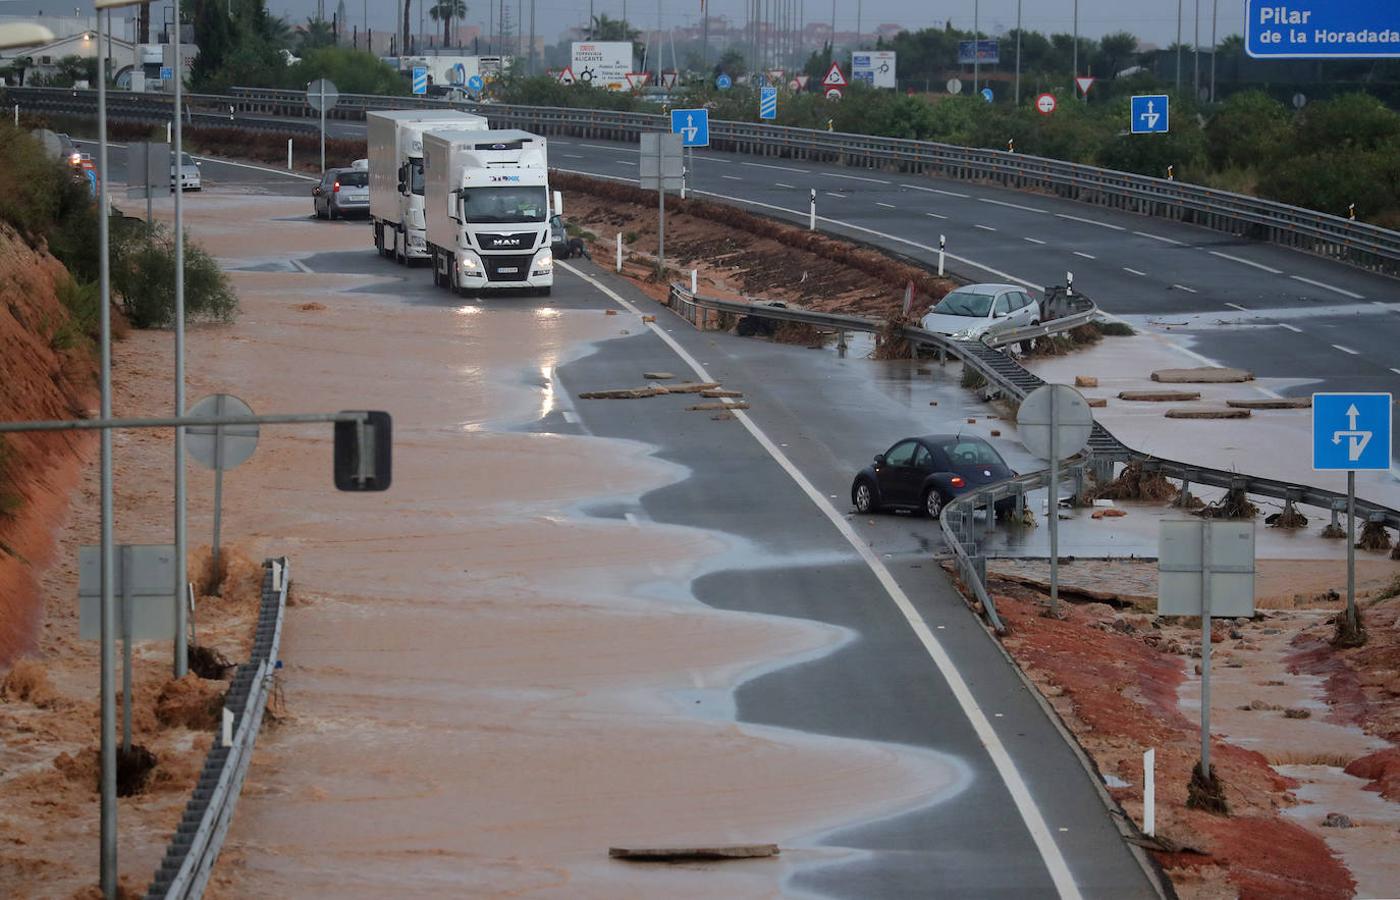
[488, 210]
[396, 175]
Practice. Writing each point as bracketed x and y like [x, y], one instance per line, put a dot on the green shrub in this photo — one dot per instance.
[1115, 329]
[9, 500]
[82, 326]
[143, 276]
[972, 379]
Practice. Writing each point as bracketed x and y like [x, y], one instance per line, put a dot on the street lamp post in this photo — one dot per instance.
[976, 41]
[1018, 52]
[1179, 4]
[1075, 80]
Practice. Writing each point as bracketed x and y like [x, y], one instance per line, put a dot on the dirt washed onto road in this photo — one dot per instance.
[483, 685]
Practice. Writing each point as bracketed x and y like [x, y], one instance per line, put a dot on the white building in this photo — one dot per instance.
[45, 58]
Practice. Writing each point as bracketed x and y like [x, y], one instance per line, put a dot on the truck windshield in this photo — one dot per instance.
[965, 303]
[504, 204]
[415, 176]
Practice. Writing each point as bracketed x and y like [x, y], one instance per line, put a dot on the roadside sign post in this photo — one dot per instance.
[693, 125]
[322, 95]
[1205, 567]
[148, 170]
[221, 447]
[1351, 432]
[1055, 423]
[768, 103]
[662, 168]
[1151, 114]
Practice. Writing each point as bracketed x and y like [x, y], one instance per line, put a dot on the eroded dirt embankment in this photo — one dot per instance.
[46, 372]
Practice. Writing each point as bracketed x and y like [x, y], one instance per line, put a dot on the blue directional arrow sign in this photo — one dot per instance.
[420, 79]
[1351, 431]
[1321, 29]
[693, 125]
[724, 82]
[1150, 114]
[768, 103]
[475, 84]
[987, 94]
[166, 73]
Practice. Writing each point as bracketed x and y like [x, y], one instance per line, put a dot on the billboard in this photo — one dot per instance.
[602, 64]
[987, 52]
[874, 67]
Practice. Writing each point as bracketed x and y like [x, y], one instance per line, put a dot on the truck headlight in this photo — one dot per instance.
[469, 264]
[544, 263]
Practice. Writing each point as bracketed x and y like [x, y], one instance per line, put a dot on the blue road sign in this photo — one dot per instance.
[987, 94]
[420, 79]
[475, 83]
[1150, 114]
[1351, 431]
[693, 125]
[768, 103]
[724, 82]
[1321, 29]
[983, 51]
[166, 73]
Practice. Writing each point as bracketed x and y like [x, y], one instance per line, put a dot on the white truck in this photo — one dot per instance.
[488, 210]
[396, 176]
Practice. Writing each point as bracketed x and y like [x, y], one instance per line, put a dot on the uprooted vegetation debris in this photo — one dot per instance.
[1373, 537]
[1234, 505]
[1135, 483]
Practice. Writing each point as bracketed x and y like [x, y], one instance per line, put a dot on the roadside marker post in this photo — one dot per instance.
[1351, 432]
[694, 282]
[942, 243]
[619, 251]
[1149, 792]
[812, 212]
[1055, 423]
[1069, 284]
[289, 154]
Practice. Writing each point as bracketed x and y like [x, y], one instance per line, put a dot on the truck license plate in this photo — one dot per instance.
[508, 270]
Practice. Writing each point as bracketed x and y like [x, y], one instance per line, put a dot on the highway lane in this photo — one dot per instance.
[1136, 267]
[827, 416]
[214, 172]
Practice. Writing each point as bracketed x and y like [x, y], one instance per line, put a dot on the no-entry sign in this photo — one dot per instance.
[1045, 104]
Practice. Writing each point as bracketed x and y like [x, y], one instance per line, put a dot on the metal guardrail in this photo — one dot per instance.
[189, 859]
[1008, 377]
[1332, 236]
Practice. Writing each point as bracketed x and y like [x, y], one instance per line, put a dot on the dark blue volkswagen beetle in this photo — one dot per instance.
[924, 473]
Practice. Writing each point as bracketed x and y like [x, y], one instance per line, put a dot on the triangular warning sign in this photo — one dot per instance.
[637, 79]
[802, 82]
[1084, 82]
[567, 76]
[668, 80]
[775, 76]
[834, 78]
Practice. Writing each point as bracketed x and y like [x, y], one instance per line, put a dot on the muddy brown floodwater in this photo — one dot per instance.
[483, 685]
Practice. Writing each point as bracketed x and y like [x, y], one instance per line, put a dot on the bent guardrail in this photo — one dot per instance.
[1332, 236]
[190, 857]
[1005, 375]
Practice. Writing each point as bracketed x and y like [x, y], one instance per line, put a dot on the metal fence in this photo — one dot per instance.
[190, 857]
[1331, 236]
[959, 520]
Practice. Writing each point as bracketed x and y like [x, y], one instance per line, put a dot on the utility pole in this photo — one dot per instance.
[1196, 52]
[704, 37]
[1214, 47]
[1179, 4]
[976, 42]
[1074, 81]
[1018, 52]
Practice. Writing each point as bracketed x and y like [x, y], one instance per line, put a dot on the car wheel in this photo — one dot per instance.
[863, 496]
[933, 503]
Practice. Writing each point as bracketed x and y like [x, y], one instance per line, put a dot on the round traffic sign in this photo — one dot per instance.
[1300, 101]
[320, 91]
[1045, 104]
[724, 82]
[1069, 412]
[220, 446]
[833, 93]
[987, 94]
[794, 86]
[954, 85]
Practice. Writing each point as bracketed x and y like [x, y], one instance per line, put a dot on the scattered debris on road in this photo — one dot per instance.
[1202, 375]
[1159, 396]
[1208, 413]
[685, 854]
[1280, 403]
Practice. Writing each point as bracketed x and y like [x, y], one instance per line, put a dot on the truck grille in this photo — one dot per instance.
[520, 240]
[520, 262]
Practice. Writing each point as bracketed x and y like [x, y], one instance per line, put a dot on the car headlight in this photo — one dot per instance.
[966, 334]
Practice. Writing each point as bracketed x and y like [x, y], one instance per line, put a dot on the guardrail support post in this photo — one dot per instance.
[841, 345]
[1186, 495]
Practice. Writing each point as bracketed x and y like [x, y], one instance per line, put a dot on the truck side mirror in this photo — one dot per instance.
[558, 203]
[363, 453]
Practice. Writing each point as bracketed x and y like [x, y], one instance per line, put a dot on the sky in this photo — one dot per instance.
[1153, 21]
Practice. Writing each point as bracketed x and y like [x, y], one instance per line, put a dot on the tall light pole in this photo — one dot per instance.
[1214, 47]
[1179, 4]
[1196, 53]
[1074, 81]
[1018, 52]
[976, 43]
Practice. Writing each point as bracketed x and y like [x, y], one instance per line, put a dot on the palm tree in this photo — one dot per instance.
[445, 11]
[603, 28]
[316, 33]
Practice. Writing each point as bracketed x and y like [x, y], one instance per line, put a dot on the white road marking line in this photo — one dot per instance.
[1015, 785]
[732, 177]
[1134, 272]
[301, 266]
[984, 227]
[1085, 255]
[886, 205]
[572, 156]
[1033, 240]
[780, 184]
[1089, 221]
[1380, 304]
[1012, 205]
[951, 194]
[1346, 350]
[828, 193]
[1182, 287]
[927, 190]
[1237, 306]
[1292, 328]
[624, 162]
[1247, 262]
[854, 178]
[1158, 237]
[271, 171]
[779, 168]
[1327, 287]
[570, 417]
[716, 159]
[1396, 371]
[632, 520]
[601, 147]
[935, 216]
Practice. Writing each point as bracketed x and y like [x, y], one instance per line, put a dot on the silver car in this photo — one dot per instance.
[189, 173]
[975, 310]
[341, 192]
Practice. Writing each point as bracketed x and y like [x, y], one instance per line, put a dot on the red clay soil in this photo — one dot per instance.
[1117, 693]
[748, 256]
[37, 471]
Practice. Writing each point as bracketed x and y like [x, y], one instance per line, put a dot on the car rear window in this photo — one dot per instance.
[353, 179]
[970, 452]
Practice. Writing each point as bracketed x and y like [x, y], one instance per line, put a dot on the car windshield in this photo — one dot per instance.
[185, 159]
[964, 302]
[970, 452]
[415, 176]
[353, 179]
[504, 204]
